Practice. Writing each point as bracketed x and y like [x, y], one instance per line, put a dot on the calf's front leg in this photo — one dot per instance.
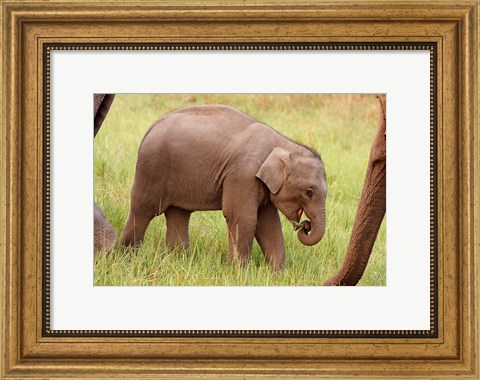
[241, 230]
[269, 236]
[240, 211]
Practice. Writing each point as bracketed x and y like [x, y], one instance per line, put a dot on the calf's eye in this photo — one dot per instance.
[309, 193]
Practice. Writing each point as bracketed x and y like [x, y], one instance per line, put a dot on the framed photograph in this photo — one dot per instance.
[281, 258]
[241, 189]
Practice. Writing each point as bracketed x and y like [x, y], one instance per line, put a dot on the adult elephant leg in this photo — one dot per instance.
[371, 210]
[104, 235]
[101, 106]
[269, 236]
[177, 227]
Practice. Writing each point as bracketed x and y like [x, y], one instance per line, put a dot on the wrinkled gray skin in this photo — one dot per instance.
[104, 235]
[214, 157]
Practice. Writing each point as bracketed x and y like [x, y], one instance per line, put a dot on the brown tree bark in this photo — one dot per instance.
[371, 210]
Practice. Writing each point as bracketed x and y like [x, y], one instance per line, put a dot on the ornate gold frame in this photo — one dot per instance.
[27, 26]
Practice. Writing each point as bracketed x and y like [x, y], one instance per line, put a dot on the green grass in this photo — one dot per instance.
[340, 127]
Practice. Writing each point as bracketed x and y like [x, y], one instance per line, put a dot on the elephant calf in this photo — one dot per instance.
[214, 157]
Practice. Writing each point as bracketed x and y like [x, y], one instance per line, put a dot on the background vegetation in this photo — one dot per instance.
[340, 127]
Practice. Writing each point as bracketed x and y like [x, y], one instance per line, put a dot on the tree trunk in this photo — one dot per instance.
[371, 210]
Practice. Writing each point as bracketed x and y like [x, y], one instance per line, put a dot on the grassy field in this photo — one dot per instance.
[340, 127]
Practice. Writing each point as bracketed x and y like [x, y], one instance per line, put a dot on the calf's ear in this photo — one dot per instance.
[274, 169]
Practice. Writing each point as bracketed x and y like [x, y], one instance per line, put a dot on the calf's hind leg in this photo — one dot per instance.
[177, 227]
[137, 223]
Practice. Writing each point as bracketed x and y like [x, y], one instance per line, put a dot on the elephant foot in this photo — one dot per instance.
[177, 245]
[341, 281]
[104, 235]
[332, 282]
[238, 259]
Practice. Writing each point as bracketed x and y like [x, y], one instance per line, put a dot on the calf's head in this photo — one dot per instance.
[297, 184]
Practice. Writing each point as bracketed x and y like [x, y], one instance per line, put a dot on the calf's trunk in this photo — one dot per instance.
[318, 222]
